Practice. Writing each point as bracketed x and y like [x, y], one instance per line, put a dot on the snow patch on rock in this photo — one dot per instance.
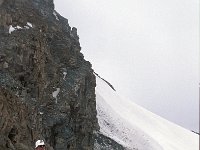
[55, 14]
[64, 73]
[55, 94]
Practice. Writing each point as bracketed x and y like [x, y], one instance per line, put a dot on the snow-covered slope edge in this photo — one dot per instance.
[136, 128]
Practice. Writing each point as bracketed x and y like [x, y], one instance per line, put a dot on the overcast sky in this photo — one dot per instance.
[148, 50]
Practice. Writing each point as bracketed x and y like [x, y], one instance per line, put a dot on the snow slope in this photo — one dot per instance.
[136, 128]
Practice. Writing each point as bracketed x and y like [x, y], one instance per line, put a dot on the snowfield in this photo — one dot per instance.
[137, 128]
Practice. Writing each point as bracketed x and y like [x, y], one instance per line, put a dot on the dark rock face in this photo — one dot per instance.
[47, 89]
[105, 143]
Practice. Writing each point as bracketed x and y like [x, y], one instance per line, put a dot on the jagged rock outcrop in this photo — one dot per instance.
[47, 89]
[103, 142]
[109, 84]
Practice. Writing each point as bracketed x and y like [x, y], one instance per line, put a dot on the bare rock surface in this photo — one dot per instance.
[47, 89]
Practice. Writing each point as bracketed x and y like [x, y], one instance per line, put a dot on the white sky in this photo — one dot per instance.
[148, 49]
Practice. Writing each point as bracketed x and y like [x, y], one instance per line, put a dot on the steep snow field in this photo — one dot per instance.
[136, 128]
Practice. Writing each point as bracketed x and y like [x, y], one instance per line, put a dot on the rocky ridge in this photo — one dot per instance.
[47, 89]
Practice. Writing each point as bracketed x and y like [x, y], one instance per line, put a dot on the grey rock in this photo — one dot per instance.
[36, 48]
[105, 143]
[47, 89]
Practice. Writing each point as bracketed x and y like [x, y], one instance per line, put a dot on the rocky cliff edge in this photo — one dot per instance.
[47, 89]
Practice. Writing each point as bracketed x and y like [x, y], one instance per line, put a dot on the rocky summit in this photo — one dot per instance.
[47, 88]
